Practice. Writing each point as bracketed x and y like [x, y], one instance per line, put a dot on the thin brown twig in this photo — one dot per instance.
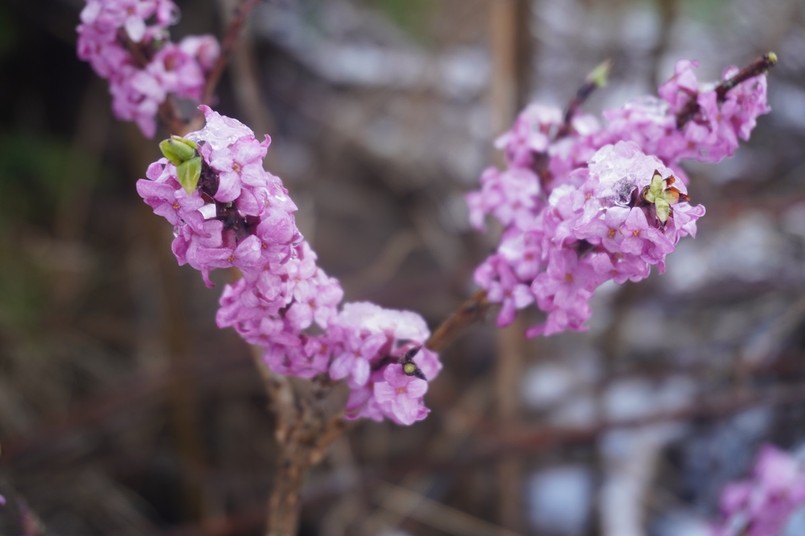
[168, 110]
[494, 440]
[227, 44]
[471, 311]
[597, 78]
[756, 68]
[304, 431]
[528, 439]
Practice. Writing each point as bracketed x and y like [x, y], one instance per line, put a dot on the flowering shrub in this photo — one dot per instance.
[763, 505]
[582, 203]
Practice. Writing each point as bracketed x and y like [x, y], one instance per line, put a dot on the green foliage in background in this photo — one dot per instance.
[410, 15]
[8, 34]
[35, 175]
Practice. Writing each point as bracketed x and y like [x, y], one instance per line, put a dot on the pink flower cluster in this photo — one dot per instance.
[127, 43]
[711, 129]
[583, 203]
[763, 505]
[240, 216]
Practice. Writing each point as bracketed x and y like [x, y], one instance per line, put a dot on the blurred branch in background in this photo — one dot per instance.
[510, 42]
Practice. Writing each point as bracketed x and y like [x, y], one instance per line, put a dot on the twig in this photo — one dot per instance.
[304, 432]
[472, 310]
[546, 437]
[597, 78]
[244, 77]
[227, 44]
[31, 525]
[756, 68]
[539, 437]
[437, 515]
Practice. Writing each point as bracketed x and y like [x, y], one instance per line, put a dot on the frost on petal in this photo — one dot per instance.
[220, 131]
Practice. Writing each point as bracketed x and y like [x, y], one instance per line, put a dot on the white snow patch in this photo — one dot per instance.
[559, 499]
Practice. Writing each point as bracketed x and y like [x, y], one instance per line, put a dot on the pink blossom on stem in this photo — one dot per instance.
[763, 504]
[582, 203]
[127, 43]
[239, 215]
[710, 130]
[596, 226]
[400, 396]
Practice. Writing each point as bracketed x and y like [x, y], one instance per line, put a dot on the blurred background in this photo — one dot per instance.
[125, 411]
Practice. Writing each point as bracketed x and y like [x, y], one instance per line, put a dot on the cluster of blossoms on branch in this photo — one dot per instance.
[229, 212]
[764, 504]
[583, 202]
[127, 43]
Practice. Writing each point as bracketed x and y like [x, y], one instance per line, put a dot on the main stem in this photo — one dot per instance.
[305, 427]
[284, 502]
[301, 447]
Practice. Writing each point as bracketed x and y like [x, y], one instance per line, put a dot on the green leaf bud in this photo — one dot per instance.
[178, 150]
[189, 173]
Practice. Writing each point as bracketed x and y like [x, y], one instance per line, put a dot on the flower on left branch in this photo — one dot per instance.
[228, 211]
[127, 42]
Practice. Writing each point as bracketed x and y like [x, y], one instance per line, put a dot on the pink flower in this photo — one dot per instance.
[644, 240]
[204, 48]
[564, 289]
[762, 505]
[683, 86]
[506, 288]
[400, 396]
